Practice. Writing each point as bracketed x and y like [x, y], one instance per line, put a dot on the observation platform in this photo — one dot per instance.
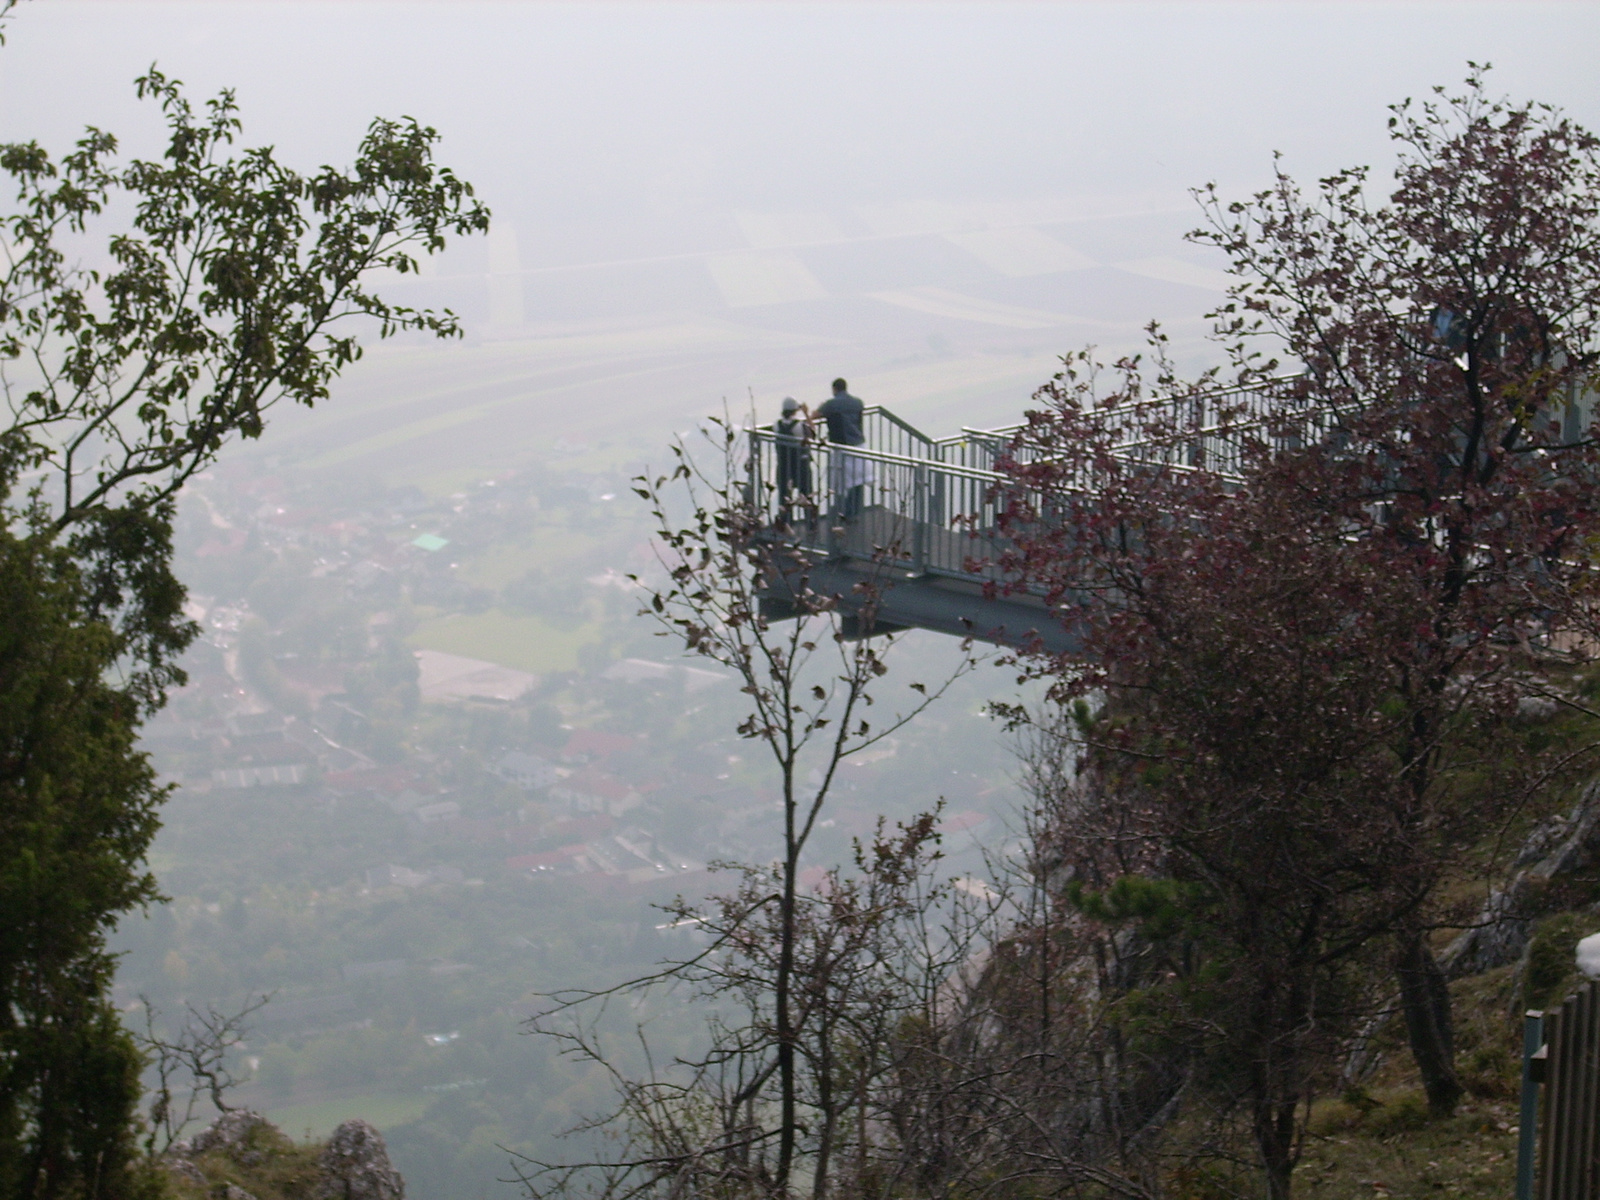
[923, 549]
[866, 563]
[920, 552]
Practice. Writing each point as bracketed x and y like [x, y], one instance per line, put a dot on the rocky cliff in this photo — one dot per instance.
[243, 1156]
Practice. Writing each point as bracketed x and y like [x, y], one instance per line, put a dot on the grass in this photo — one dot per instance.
[384, 1110]
[527, 643]
[546, 547]
[1380, 1141]
[272, 1167]
[1388, 1146]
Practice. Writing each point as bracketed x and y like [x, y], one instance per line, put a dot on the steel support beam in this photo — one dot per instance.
[899, 600]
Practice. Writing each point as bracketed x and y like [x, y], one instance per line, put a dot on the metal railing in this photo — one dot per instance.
[930, 516]
[929, 504]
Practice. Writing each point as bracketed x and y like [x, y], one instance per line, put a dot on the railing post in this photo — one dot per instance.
[1569, 1126]
[753, 488]
[919, 520]
[835, 500]
[1589, 1072]
[1528, 1130]
[1549, 1142]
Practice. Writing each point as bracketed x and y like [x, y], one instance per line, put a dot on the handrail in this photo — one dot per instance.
[878, 410]
[960, 470]
[937, 498]
[885, 456]
[1133, 406]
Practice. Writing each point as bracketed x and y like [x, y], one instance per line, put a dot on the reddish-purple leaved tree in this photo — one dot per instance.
[1309, 605]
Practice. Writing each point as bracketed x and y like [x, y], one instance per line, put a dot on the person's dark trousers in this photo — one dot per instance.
[794, 485]
[851, 505]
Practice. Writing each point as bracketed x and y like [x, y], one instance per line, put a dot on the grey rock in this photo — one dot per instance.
[230, 1133]
[234, 1192]
[179, 1165]
[355, 1166]
[1537, 707]
[1542, 839]
[1503, 926]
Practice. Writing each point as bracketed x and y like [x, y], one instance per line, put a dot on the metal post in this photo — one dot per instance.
[919, 520]
[835, 503]
[1549, 1142]
[1528, 1129]
[753, 496]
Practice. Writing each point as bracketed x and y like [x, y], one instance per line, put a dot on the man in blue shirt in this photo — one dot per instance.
[850, 474]
[843, 415]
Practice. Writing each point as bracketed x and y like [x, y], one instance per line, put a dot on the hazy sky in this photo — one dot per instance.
[745, 199]
[643, 124]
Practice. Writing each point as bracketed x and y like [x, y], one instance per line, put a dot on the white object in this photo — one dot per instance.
[851, 470]
[1589, 956]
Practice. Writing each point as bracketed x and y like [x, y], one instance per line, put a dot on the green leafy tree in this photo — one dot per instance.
[239, 284]
[242, 284]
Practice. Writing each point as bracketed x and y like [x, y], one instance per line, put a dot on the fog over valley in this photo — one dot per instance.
[431, 763]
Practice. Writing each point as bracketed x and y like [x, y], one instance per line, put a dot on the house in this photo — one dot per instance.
[280, 775]
[526, 770]
[641, 671]
[452, 677]
[567, 858]
[391, 875]
[962, 830]
[442, 810]
[592, 791]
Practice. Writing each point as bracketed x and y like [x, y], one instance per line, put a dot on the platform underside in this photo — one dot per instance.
[888, 574]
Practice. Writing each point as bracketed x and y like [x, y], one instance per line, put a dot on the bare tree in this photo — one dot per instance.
[192, 1067]
[1020, 1077]
[737, 590]
[874, 951]
[809, 684]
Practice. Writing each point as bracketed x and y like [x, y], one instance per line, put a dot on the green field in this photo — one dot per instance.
[545, 547]
[384, 1110]
[526, 643]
